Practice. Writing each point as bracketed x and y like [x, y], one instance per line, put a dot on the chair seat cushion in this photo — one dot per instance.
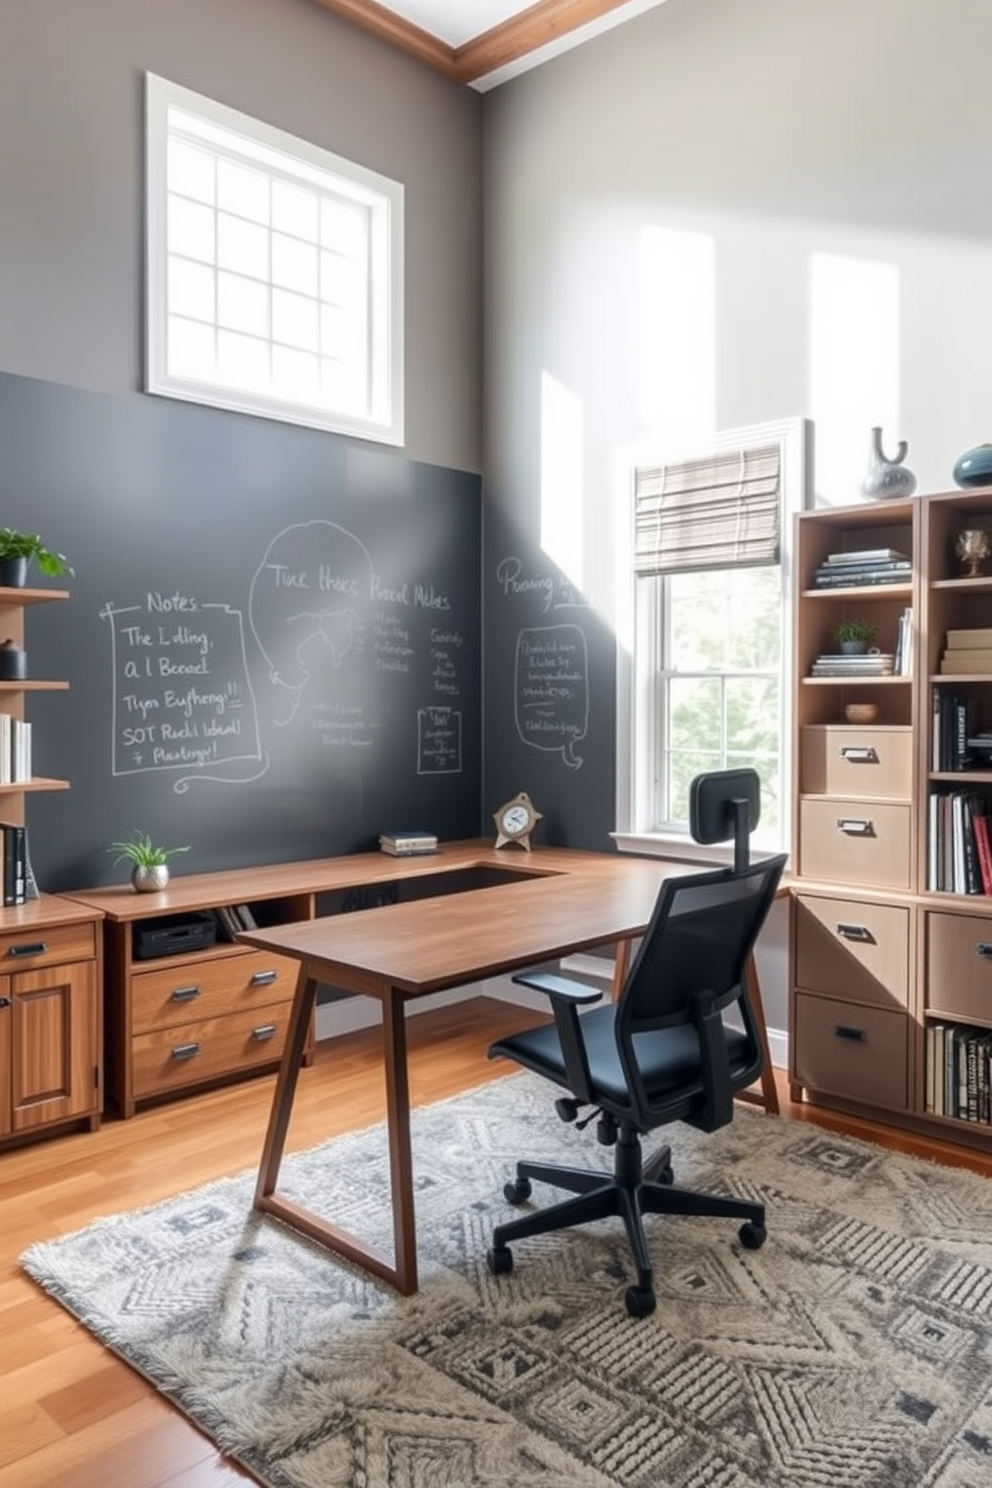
[668, 1059]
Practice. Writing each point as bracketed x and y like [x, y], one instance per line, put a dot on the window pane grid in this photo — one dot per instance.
[291, 265]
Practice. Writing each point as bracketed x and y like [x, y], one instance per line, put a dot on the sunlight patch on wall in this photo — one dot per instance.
[677, 334]
[562, 487]
[854, 367]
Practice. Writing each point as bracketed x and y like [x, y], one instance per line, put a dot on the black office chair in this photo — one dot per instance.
[664, 1051]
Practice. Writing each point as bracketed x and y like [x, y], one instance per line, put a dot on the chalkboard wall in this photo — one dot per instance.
[550, 670]
[272, 642]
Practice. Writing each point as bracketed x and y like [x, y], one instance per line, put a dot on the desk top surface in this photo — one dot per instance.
[569, 901]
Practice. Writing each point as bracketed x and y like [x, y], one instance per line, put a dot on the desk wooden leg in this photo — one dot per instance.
[769, 1092]
[282, 1101]
[621, 965]
[400, 1153]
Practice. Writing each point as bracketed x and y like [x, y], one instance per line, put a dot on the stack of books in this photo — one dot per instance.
[960, 857]
[869, 664]
[15, 750]
[968, 651]
[15, 874]
[407, 844]
[866, 566]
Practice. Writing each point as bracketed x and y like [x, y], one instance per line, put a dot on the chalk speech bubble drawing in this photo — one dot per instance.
[551, 688]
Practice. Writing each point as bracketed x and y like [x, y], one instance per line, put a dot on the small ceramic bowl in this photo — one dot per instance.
[861, 712]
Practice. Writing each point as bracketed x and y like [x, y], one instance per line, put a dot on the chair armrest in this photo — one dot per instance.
[566, 999]
[553, 985]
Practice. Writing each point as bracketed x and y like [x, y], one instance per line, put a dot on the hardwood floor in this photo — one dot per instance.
[71, 1414]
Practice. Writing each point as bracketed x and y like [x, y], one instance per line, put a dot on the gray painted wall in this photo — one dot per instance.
[71, 179]
[797, 141]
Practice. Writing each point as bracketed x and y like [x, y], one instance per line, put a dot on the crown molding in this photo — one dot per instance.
[534, 27]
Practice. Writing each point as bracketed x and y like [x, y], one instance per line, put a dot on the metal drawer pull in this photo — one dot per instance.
[983, 948]
[32, 948]
[266, 1031]
[184, 994]
[263, 978]
[854, 1035]
[854, 826]
[185, 1051]
[856, 932]
[859, 755]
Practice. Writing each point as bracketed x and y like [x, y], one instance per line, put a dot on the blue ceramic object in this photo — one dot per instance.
[974, 467]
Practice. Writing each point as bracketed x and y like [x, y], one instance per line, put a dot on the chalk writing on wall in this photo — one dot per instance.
[182, 699]
[551, 687]
[552, 590]
[439, 741]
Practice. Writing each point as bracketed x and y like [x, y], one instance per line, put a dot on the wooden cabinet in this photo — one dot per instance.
[892, 922]
[50, 955]
[178, 1023]
[50, 1018]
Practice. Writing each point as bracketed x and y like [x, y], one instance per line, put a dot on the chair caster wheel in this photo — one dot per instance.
[500, 1260]
[752, 1235]
[517, 1191]
[567, 1108]
[640, 1301]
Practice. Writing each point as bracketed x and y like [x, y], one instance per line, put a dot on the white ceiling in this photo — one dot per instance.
[457, 22]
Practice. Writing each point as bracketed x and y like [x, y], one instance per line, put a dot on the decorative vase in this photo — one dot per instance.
[974, 467]
[972, 547]
[150, 880]
[13, 573]
[886, 478]
[13, 662]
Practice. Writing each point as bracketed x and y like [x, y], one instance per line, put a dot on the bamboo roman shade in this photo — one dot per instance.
[721, 511]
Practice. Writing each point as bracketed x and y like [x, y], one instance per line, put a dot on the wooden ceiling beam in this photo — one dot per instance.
[509, 41]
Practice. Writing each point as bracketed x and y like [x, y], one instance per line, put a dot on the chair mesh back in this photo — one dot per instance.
[701, 933]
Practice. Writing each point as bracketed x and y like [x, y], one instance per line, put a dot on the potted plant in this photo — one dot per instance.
[854, 636]
[18, 549]
[149, 863]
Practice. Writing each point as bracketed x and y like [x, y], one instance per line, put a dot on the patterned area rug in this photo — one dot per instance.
[853, 1351]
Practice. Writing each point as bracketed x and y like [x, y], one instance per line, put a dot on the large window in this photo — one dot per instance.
[274, 271]
[710, 680]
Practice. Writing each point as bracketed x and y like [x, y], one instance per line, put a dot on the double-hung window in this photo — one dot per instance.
[710, 678]
[274, 271]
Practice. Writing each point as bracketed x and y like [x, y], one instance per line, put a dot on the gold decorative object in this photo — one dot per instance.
[972, 547]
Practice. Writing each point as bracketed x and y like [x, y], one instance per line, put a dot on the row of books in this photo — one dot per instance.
[15, 750]
[407, 844]
[968, 650]
[15, 867]
[863, 567]
[959, 1072]
[902, 665]
[870, 664]
[959, 858]
[233, 918]
[952, 746]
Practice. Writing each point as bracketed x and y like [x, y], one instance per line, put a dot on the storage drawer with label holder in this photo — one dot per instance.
[851, 841]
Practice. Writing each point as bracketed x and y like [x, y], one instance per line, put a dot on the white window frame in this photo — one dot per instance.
[283, 157]
[639, 631]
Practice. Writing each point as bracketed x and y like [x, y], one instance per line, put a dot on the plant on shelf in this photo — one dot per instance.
[18, 549]
[149, 863]
[855, 635]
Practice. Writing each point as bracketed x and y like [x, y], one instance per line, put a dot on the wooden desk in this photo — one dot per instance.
[571, 901]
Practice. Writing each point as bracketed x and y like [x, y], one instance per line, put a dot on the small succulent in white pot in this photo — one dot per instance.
[149, 863]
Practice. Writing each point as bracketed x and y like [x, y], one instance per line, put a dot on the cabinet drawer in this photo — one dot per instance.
[47, 946]
[851, 842]
[206, 1049]
[846, 1050]
[959, 966]
[209, 988]
[857, 952]
[857, 762]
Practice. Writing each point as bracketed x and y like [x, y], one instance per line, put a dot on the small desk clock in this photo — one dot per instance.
[515, 821]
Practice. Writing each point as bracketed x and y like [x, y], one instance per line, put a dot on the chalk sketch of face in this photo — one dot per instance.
[309, 608]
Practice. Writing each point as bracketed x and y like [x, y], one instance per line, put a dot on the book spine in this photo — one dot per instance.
[981, 825]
